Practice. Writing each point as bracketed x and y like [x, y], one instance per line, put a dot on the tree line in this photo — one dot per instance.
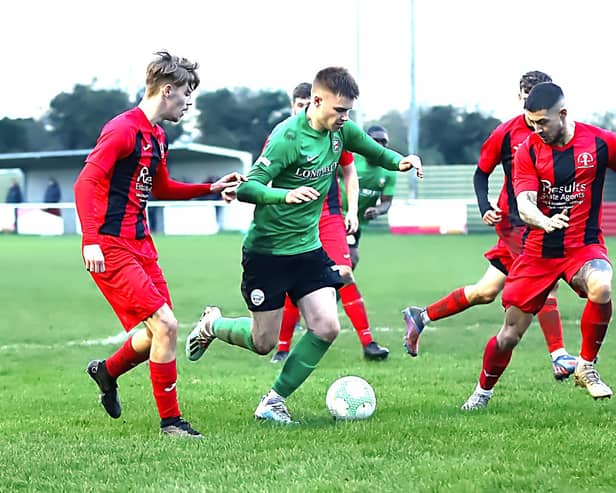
[242, 119]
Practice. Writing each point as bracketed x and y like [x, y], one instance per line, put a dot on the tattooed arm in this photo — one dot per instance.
[531, 215]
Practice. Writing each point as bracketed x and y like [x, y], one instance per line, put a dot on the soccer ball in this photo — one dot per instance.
[350, 398]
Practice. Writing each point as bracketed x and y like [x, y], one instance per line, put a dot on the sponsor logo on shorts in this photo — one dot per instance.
[257, 297]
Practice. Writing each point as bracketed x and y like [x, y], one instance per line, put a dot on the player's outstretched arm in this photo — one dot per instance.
[230, 180]
[412, 161]
[530, 214]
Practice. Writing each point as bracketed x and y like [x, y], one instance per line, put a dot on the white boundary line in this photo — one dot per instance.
[119, 338]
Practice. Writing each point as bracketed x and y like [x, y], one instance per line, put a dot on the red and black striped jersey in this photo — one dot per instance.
[128, 162]
[500, 147]
[332, 205]
[568, 178]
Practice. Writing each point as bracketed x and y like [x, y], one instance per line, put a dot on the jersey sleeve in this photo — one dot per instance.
[610, 139]
[164, 188]
[279, 152]
[356, 140]
[346, 158]
[491, 151]
[112, 145]
[525, 177]
[85, 202]
[390, 183]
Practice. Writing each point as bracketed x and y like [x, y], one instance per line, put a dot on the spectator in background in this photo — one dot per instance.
[53, 194]
[14, 196]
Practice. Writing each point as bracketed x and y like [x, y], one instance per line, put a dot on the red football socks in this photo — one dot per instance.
[290, 317]
[595, 319]
[549, 320]
[453, 303]
[353, 305]
[124, 359]
[164, 377]
[494, 364]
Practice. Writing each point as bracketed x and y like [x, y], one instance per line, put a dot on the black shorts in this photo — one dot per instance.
[353, 239]
[267, 278]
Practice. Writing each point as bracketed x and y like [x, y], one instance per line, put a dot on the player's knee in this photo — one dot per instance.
[599, 292]
[327, 330]
[347, 274]
[483, 294]
[264, 343]
[507, 339]
[169, 327]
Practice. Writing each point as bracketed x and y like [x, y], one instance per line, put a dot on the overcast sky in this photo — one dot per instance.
[468, 53]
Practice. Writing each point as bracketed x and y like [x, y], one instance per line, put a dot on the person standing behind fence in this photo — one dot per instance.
[53, 194]
[14, 196]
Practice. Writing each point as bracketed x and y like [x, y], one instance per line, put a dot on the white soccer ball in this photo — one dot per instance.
[350, 398]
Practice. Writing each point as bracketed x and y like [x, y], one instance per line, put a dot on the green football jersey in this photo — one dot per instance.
[374, 181]
[297, 155]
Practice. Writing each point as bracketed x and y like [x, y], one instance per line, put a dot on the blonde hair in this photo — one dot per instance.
[170, 69]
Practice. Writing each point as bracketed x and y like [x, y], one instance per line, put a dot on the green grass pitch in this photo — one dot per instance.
[536, 435]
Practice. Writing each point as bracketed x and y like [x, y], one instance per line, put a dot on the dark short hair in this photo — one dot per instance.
[379, 134]
[338, 80]
[532, 78]
[302, 91]
[543, 97]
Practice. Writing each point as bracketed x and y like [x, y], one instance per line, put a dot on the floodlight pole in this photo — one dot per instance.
[413, 121]
[359, 118]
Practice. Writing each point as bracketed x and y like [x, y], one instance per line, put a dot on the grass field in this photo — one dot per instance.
[536, 435]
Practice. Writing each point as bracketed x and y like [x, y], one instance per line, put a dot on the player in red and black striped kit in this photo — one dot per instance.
[500, 147]
[128, 162]
[558, 181]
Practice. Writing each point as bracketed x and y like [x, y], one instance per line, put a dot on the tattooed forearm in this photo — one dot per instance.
[529, 212]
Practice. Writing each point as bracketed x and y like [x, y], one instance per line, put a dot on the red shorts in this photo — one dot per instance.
[507, 248]
[332, 233]
[531, 278]
[132, 283]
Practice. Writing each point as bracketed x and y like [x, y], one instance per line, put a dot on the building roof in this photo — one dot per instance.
[74, 158]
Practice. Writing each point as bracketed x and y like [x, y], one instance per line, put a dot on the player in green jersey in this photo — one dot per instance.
[282, 252]
[376, 190]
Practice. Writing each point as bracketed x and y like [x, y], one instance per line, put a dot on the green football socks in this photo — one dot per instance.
[235, 331]
[302, 360]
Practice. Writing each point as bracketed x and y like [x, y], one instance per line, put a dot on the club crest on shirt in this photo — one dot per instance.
[585, 160]
[336, 145]
[161, 146]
